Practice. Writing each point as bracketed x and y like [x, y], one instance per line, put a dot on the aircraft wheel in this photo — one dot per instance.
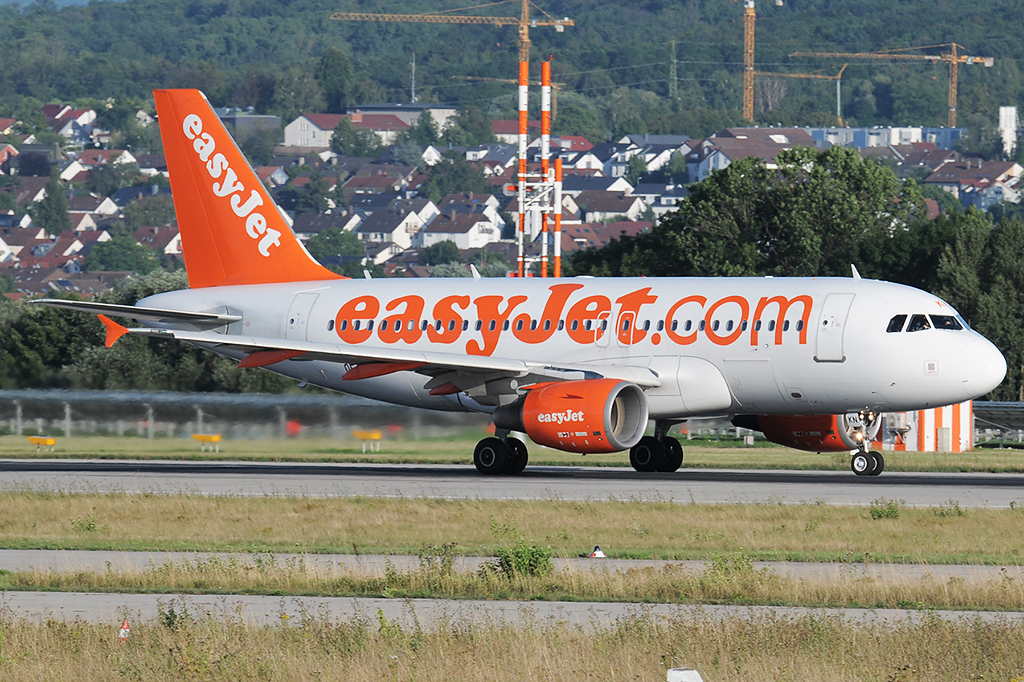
[518, 456]
[878, 463]
[647, 455]
[862, 463]
[673, 455]
[491, 457]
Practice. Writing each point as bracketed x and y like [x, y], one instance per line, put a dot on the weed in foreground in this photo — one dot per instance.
[884, 509]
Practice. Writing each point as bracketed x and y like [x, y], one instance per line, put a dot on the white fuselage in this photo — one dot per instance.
[718, 345]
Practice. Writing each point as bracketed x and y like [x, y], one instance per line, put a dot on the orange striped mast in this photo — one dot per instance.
[558, 216]
[524, 75]
[545, 155]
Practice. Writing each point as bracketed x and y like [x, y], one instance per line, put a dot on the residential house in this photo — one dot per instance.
[979, 183]
[126, 195]
[507, 130]
[573, 185]
[409, 113]
[397, 226]
[90, 158]
[15, 221]
[163, 240]
[467, 230]
[152, 165]
[272, 176]
[725, 147]
[88, 203]
[597, 235]
[30, 190]
[82, 221]
[597, 207]
[661, 198]
[308, 225]
[7, 155]
[7, 126]
[316, 130]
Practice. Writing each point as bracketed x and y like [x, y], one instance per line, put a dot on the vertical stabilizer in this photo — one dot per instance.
[231, 229]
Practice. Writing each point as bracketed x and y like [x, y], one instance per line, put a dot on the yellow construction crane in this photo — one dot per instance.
[749, 19]
[523, 22]
[838, 78]
[555, 87]
[952, 57]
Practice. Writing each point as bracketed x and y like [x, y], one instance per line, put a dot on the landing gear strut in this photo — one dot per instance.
[660, 453]
[867, 463]
[500, 455]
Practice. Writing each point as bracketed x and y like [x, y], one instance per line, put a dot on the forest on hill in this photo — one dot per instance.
[615, 62]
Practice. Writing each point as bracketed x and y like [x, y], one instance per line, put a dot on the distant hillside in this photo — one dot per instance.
[615, 62]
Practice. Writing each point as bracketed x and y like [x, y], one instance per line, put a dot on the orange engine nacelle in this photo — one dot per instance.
[592, 415]
[815, 432]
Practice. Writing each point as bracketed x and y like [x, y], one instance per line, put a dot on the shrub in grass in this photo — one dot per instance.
[885, 509]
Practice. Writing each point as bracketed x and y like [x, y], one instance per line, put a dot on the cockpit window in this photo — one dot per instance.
[896, 324]
[918, 323]
[946, 322]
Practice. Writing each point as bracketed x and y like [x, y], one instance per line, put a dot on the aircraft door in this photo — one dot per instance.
[831, 327]
[298, 316]
[624, 331]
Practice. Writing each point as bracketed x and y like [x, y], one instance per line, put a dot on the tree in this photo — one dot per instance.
[454, 174]
[156, 210]
[424, 132]
[51, 213]
[107, 178]
[121, 253]
[440, 252]
[334, 74]
[312, 198]
[470, 127]
[813, 216]
[453, 269]
[347, 140]
[332, 242]
[636, 167]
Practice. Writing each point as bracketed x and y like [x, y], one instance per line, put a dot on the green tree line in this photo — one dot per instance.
[285, 57]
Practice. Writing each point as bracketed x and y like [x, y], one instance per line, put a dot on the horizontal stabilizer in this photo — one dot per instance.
[137, 313]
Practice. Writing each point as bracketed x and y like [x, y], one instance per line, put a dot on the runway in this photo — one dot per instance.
[709, 486]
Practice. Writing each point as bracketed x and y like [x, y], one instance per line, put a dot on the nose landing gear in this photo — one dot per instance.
[867, 463]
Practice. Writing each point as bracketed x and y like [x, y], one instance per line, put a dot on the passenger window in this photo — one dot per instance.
[918, 323]
[575, 325]
[479, 325]
[370, 325]
[491, 325]
[561, 325]
[896, 324]
[504, 327]
[799, 325]
[330, 325]
[688, 326]
[451, 325]
[625, 325]
[533, 325]
[743, 325]
[757, 326]
[344, 325]
[647, 325]
[661, 325]
[587, 325]
[519, 325]
[701, 325]
[771, 325]
[423, 326]
[355, 325]
[547, 325]
[604, 324]
[465, 325]
[785, 326]
[714, 326]
[437, 325]
[945, 322]
[729, 326]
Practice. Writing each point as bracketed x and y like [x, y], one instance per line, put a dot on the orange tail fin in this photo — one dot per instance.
[231, 230]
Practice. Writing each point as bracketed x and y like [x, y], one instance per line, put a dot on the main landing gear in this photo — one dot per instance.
[867, 463]
[657, 453]
[500, 455]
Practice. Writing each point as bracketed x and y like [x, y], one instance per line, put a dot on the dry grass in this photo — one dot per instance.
[624, 529]
[810, 649]
[729, 579]
[456, 447]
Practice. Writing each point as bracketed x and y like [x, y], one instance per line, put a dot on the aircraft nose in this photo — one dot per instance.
[982, 367]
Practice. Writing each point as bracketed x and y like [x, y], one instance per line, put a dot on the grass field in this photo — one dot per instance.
[729, 579]
[456, 447]
[884, 532]
[185, 646]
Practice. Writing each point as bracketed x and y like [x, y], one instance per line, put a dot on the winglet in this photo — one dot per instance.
[114, 330]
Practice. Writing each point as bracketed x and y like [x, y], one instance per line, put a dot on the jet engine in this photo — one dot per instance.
[587, 416]
[816, 432]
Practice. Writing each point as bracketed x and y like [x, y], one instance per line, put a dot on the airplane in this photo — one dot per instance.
[578, 364]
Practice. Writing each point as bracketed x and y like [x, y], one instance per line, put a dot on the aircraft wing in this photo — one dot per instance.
[142, 314]
[446, 372]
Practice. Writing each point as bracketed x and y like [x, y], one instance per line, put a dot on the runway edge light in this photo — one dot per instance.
[597, 553]
[122, 636]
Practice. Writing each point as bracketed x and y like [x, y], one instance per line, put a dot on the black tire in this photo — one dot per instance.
[878, 463]
[647, 455]
[673, 455]
[518, 456]
[491, 457]
[862, 463]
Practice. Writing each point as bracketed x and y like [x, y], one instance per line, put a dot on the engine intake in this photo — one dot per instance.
[815, 432]
[592, 415]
